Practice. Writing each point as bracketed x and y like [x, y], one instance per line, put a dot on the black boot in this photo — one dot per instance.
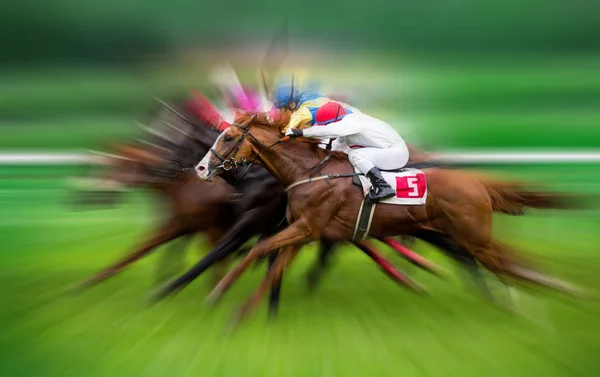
[380, 190]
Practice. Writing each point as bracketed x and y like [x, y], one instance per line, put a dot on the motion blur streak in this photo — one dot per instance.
[510, 86]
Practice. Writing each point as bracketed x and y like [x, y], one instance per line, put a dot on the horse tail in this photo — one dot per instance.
[512, 198]
[507, 196]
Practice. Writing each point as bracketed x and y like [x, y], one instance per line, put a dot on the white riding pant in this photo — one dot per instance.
[365, 159]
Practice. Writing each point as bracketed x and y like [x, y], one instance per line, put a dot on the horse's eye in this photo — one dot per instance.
[228, 138]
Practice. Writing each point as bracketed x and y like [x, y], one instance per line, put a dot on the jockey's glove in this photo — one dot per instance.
[293, 132]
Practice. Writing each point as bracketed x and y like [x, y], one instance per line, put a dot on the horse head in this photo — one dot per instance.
[249, 136]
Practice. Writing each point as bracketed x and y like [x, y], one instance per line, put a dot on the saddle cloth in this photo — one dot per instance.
[410, 186]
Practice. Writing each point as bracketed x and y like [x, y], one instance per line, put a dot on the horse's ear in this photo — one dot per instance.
[224, 125]
[249, 120]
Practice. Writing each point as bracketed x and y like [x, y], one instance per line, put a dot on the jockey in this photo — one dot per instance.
[373, 144]
[302, 105]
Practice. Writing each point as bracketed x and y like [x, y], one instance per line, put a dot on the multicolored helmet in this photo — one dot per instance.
[285, 95]
[329, 113]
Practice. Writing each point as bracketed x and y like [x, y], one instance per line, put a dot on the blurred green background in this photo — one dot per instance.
[459, 73]
[449, 74]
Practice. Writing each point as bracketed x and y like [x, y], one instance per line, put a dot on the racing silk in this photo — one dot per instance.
[306, 112]
[309, 104]
[358, 130]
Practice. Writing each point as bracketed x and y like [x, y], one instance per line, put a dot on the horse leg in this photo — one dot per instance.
[546, 281]
[511, 268]
[218, 271]
[324, 260]
[387, 267]
[220, 268]
[408, 241]
[166, 234]
[413, 257]
[470, 264]
[466, 260]
[172, 259]
[237, 235]
[282, 260]
[296, 233]
[275, 294]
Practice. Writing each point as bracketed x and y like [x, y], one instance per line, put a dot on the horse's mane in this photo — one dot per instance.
[262, 119]
[278, 123]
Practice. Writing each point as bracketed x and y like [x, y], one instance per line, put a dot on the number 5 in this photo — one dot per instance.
[412, 183]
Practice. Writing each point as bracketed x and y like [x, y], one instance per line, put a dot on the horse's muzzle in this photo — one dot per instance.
[205, 173]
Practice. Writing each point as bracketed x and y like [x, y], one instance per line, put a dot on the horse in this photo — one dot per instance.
[190, 206]
[164, 163]
[325, 254]
[260, 189]
[458, 206]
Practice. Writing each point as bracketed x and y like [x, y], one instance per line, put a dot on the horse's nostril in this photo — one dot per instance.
[201, 168]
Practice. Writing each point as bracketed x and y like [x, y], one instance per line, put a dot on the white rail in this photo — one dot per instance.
[464, 156]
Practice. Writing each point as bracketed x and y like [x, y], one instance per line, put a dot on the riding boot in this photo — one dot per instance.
[381, 189]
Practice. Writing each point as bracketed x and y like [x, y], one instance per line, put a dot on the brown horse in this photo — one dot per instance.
[190, 205]
[458, 205]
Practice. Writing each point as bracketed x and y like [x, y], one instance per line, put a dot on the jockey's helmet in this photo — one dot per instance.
[285, 96]
[329, 113]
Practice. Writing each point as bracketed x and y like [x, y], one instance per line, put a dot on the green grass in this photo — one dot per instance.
[358, 324]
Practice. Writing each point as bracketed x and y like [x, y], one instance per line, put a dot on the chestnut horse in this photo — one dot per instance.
[228, 215]
[188, 206]
[458, 207]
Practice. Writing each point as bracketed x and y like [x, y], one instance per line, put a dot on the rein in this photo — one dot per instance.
[319, 178]
[228, 163]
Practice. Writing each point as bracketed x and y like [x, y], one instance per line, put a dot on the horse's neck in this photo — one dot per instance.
[291, 162]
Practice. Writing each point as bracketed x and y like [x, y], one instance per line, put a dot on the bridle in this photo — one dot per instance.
[228, 162]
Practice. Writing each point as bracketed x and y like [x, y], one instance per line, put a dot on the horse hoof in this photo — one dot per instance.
[155, 297]
[312, 283]
[422, 292]
[78, 288]
[272, 317]
[74, 290]
[232, 327]
[211, 300]
[416, 288]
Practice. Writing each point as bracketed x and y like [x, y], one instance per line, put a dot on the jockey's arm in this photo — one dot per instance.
[301, 116]
[333, 130]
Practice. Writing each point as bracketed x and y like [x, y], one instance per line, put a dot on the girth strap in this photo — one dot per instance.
[364, 219]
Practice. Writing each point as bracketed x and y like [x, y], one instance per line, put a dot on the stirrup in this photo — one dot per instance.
[375, 196]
